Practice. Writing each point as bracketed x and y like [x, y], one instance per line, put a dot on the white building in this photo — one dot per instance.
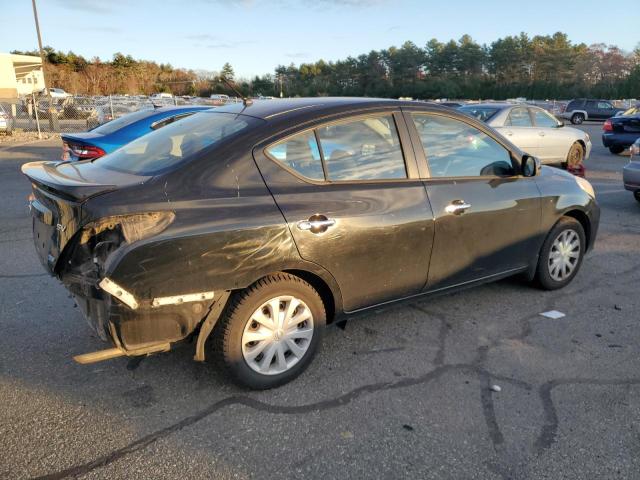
[20, 75]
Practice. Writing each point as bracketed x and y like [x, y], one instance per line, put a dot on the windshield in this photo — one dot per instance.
[482, 113]
[162, 149]
[121, 122]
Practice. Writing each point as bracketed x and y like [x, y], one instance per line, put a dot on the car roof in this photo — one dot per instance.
[282, 108]
[498, 105]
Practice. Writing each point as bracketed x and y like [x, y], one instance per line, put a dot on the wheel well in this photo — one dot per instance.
[322, 288]
[584, 221]
[584, 145]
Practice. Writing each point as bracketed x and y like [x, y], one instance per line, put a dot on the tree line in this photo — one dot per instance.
[543, 66]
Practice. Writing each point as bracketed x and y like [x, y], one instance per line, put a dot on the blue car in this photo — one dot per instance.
[112, 135]
[622, 131]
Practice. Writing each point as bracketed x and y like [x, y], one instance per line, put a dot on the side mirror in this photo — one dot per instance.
[530, 166]
[560, 124]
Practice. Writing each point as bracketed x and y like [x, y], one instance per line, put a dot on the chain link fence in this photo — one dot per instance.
[81, 113]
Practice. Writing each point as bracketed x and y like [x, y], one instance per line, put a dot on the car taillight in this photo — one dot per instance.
[608, 126]
[87, 151]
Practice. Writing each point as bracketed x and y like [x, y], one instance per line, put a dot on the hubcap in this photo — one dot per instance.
[277, 335]
[564, 255]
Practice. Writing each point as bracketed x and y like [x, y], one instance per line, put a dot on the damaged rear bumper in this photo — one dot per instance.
[137, 326]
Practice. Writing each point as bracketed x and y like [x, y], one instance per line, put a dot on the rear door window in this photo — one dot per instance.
[363, 149]
[299, 153]
[456, 149]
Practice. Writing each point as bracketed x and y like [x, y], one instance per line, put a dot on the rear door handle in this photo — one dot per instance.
[541, 133]
[316, 224]
[457, 207]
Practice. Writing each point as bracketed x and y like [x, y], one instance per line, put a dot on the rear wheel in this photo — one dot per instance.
[561, 254]
[577, 118]
[616, 150]
[271, 331]
[575, 156]
[636, 195]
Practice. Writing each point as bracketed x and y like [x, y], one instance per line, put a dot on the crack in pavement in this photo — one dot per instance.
[263, 407]
[545, 438]
[549, 430]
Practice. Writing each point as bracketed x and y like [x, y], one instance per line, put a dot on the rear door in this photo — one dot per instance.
[487, 216]
[350, 193]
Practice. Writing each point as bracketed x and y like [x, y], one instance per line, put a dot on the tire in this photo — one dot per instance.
[238, 354]
[572, 229]
[576, 155]
[577, 118]
[636, 195]
[616, 150]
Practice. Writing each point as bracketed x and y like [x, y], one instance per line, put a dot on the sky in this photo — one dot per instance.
[256, 36]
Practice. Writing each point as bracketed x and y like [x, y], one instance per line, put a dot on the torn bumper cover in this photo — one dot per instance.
[142, 326]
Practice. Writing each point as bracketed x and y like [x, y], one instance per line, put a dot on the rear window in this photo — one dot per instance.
[163, 149]
[481, 113]
[123, 121]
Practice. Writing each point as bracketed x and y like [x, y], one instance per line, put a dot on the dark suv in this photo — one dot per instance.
[582, 109]
[260, 223]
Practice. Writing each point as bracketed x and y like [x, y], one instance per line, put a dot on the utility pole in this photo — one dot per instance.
[44, 78]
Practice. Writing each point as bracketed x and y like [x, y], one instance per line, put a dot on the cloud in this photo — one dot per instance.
[297, 55]
[221, 45]
[91, 6]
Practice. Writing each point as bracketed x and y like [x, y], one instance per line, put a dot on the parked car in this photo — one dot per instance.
[162, 95]
[6, 122]
[79, 108]
[631, 171]
[114, 134]
[56, 93]
[199, 227]
[582, 109]
[535, 131]
[621, 131]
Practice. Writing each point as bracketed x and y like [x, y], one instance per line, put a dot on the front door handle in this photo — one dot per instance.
[316, 224]
[541, 133]
[457, 207]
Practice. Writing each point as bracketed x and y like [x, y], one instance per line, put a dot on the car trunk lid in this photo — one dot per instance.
[59, 190]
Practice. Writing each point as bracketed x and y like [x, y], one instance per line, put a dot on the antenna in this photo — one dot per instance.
[246, 101]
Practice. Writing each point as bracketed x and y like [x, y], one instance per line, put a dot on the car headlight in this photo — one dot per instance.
[586, 186]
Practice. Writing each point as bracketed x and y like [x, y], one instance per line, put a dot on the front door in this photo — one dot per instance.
[487, 218]
[554, 142]
[351, 196]
[518, 128]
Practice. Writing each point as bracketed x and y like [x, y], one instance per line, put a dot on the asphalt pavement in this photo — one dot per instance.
[404, 392]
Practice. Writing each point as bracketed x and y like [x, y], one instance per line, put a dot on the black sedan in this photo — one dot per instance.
[620, 132]
[260, 223]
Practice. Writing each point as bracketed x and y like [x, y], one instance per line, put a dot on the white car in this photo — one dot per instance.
[58, 93]
[535, 131]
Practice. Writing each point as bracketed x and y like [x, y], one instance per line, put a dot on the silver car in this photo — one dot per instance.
[6, 122]
[631, 171]
[535, 131]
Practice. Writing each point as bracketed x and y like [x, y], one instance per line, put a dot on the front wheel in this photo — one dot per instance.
[575, 156]
[577, 118]
[271, 331]
[561, 254]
